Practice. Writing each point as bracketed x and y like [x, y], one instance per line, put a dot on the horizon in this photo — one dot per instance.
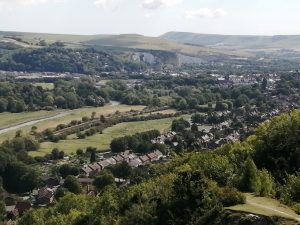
[158, 36]
[151, 17]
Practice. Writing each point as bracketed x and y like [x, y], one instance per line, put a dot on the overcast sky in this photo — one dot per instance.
[151, 17]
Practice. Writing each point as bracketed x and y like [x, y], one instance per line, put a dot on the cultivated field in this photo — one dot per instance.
[102, 141]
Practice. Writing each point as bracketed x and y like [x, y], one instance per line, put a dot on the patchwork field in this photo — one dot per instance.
[11, 119]
[102, 141]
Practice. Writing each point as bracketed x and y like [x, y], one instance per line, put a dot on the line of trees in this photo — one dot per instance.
[140, 142]
[19, 97]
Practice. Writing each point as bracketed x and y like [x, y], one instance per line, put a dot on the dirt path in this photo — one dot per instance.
[265, 206]
[275, 209]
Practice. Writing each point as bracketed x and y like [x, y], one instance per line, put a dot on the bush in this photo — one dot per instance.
[230, 197]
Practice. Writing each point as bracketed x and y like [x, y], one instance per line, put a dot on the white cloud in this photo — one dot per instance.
[149, 15]
[102, 3]
[12, 3]
[155, 4]
[205, 13]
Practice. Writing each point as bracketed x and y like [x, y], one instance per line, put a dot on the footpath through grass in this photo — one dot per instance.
[266, 207]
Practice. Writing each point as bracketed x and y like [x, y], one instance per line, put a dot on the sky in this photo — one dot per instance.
[151, 17]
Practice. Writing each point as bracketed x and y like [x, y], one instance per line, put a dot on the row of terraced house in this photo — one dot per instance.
[131, 158]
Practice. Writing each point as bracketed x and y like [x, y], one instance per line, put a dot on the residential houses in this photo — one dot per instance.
[132, 159]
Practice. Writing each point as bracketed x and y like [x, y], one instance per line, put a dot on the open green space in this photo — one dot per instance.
[10, 119]
[77, 114]
[102, 141]
[49, 86]
[266, 206]
[164, 112]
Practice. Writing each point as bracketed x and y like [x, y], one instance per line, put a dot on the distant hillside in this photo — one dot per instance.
[154, 43]
[237, 42]
[131, 41]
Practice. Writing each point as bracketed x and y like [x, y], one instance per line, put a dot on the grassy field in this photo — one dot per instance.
[266, 207]
[164, 112]
[102, 141]
[8, 119]
[49, 86]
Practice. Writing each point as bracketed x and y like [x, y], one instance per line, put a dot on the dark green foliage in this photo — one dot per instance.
[72, 184]
[194, 196]
[221, 106]
[2, 210]
[20, 97]
[19, 178]
[189, 189]
[121, 170]
[198, 118]
[60, 192]
[180, 125]
[93, 156]
[67, 169]
[104, 179]
[140, 142]
[61, 60]
[56, 154]
[264, 84]
[277, 145]
[250, 180]
[230, 197]
[118, 145]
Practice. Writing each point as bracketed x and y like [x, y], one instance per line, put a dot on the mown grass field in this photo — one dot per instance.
[102, 141]
[9, 119]
[167, 111]
[49, 86]
[266, 207]
[77, 114]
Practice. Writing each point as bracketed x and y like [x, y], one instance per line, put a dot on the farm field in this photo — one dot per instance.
[102, 141]
[68, 117]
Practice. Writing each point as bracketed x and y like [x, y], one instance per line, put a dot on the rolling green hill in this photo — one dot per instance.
[245, 42]
[130, 41]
